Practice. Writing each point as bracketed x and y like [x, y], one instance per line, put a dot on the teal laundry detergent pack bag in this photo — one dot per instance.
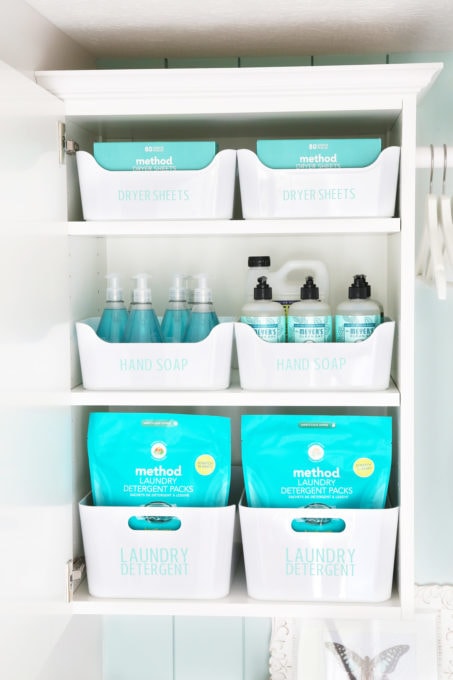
[159, 458]
[294, 461]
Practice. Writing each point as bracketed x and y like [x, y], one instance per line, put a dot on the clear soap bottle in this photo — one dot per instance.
[357, 317]
[114, 317]
[177, 314]
[143, 324]
[203, 316]
[266, 317]
[309, 320]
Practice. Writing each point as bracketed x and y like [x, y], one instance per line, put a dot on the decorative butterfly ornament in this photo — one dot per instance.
[366, 668]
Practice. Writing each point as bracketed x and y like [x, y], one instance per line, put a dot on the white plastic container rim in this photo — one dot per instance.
[355, 564]
[204, 365]
[361, 365]
[320, 192]
[171, 194]
[194, 561]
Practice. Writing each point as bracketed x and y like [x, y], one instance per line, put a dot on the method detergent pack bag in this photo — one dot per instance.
[292, 461]
[159, 459]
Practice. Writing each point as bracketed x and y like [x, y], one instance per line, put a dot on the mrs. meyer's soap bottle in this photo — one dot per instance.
[310, 319]
[357, 317]
[114, 316]
[267, 318]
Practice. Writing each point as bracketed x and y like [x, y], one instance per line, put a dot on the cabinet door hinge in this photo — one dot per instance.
[66, 146]
[75, 573]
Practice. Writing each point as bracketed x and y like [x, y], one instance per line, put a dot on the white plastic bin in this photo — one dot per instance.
[352, 565]
[172, 194]
[319, 192]
[204, 365]
[194, 561]
[314, 366]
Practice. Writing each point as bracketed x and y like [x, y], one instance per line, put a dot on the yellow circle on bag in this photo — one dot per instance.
[205, 464]
[363, 467]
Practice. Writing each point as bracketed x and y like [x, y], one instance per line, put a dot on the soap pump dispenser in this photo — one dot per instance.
[203, 316]
[264, 315]
[143, 324]
[114, 317]
[310, 319]
[177, 314]
[357, 317]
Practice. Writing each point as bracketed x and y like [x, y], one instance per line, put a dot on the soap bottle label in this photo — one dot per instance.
[268, 328]
[309, 329]
[352, 328]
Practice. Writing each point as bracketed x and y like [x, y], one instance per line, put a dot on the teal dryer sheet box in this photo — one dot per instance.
[152, 156]
[318, 153]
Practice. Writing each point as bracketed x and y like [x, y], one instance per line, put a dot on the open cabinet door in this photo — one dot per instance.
[36, 509]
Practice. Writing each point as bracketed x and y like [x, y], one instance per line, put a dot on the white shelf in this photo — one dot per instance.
[278, 228]
[237, 603]
[235, 396]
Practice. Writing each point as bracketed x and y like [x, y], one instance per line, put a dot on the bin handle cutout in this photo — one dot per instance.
[154, 522]
[333, 525]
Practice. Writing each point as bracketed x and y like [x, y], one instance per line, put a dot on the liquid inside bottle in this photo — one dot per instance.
[143, 324]
[114, 317]
[177, 314]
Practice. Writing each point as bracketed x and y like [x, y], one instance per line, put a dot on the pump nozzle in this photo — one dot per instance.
[142, 291]
[262, 290]
[202, 293]
[114, 292]
[309, 290]
[360, 288]
[178, 288]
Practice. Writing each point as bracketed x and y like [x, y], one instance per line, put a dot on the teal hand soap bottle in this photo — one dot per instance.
[177, 314]
[203, 316]
[143, 324]
[114, 317]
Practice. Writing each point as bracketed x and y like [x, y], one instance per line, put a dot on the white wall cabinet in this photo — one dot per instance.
[235, 107]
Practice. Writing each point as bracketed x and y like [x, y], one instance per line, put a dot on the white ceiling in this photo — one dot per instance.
[200, 28]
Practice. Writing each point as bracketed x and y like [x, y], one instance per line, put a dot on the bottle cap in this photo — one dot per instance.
[141, 292]
[262, 290]
[178, 288]
[114, 292]
[359, 289]
[309, 290]
[201, 292]
[259, 261]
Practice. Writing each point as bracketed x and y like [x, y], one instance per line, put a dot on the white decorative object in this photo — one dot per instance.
[153, 195]
[325, 366]
[204, 365]
[439, 598]
[431, 624]
[319, 192]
